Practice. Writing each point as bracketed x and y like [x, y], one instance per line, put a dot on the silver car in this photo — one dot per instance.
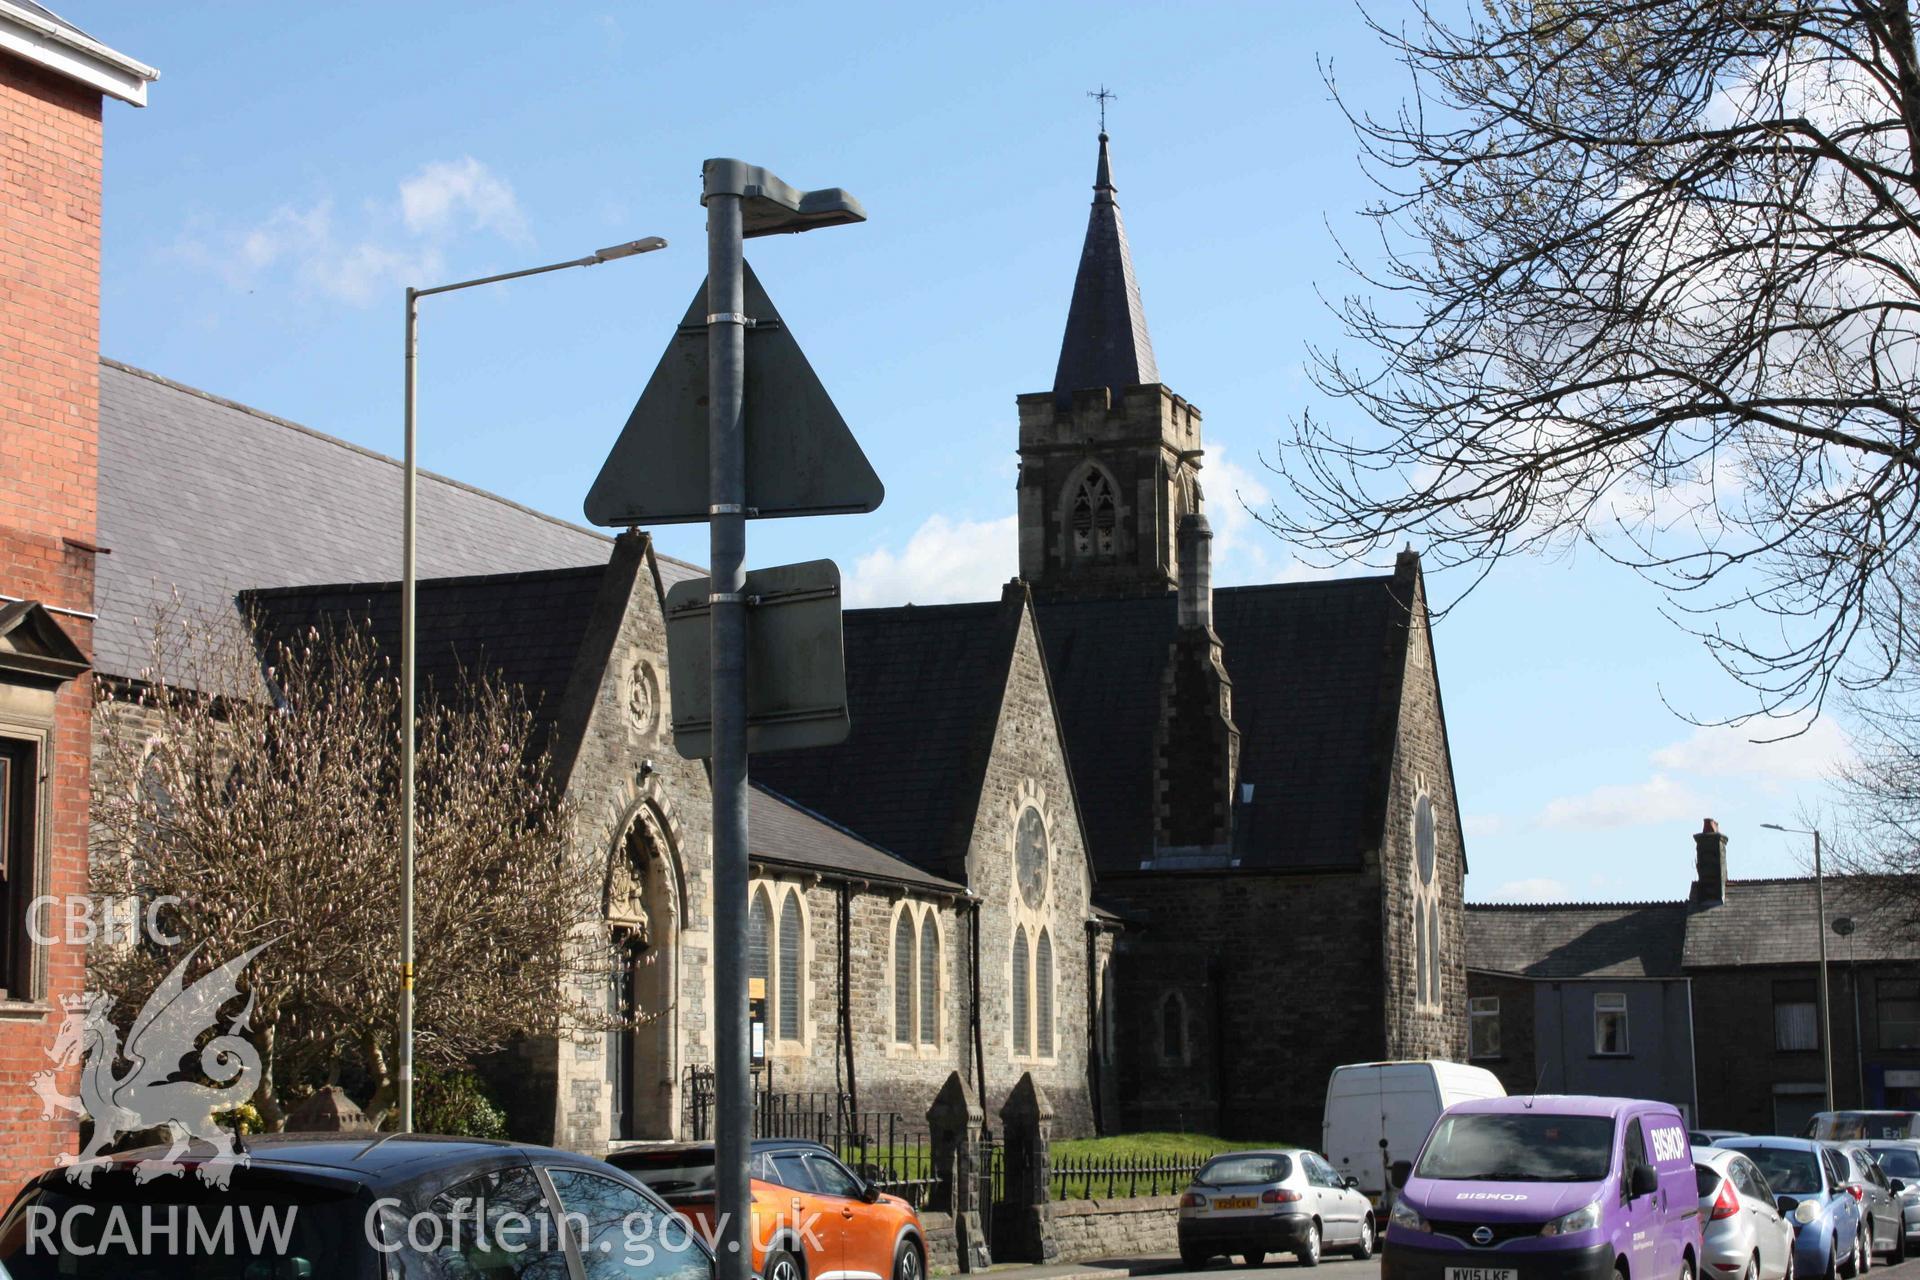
[1899, 1159]
[1880, 1208]
[1745, 1236]
[1253, 1203]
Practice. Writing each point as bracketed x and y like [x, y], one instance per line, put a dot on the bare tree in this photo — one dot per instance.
[276, 818]
[1650, 281]
[1878, 787]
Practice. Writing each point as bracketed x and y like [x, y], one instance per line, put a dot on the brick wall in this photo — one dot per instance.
[50, 147]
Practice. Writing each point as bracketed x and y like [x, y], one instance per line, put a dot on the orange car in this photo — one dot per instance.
[813, 1218]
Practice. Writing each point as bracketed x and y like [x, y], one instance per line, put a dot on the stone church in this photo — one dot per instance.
[1175, 851]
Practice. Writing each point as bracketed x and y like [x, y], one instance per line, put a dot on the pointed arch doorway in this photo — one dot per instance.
[643, 923]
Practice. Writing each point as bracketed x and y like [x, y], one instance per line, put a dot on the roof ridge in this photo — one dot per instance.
[922, 610]
[455, 580]
[363, 451]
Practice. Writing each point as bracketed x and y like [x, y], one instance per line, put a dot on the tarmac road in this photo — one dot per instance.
[1169, 1268]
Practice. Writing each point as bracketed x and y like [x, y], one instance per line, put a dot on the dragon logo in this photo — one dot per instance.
[147, 1095]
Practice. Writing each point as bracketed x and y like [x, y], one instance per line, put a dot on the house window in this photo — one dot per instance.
[1173, 1028]
[792, 951]
[1897, 1006]
[929, 980]
[1021, 969]
[1095, 517]
[1796, 1016]
[19, 836]
[1483, 1025]
[1043, 993]
[903, 952]
[1610, 1023]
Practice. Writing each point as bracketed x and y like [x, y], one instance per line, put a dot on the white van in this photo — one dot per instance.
[1380, 1112]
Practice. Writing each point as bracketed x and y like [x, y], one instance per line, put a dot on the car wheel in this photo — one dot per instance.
[1788, 1272]
[1850, 1263]
[1364, 1250]
[1866, 1249]
[1833, 1260]
[781, 1265]
[907, 1262]
[1753, 1268]
[1898, 1254]
[1308, 1254]
[1254, 1257]
[1193, 1259]
[1686, 1269]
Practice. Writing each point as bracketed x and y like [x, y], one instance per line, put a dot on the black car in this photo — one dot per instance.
[353, 1207]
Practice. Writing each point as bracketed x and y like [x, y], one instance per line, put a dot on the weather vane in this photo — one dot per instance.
[1105, 96]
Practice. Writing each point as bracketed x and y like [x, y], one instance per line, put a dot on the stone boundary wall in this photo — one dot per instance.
[943, 1248]
[1118, 1228]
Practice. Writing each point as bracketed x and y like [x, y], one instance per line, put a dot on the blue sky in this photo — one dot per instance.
[300, 164]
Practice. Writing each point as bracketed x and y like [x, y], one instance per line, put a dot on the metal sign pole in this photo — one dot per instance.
[726, 443]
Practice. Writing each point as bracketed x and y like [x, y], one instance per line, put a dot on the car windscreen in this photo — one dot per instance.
[1852, 1126]
[1898, 1162]
[1525, 1147]
[672, 1173]
[1239, 1171]
[179, 1229]
[1789, 1172]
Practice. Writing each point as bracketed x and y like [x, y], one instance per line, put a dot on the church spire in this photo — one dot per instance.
[1106, 343]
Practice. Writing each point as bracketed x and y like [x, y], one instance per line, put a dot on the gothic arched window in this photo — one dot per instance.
[1021, 991]
[903, 950]
[792, 953]
[1433, 953]
[929, 980]
[759, 954]
[1094, 517]
[1043, 994]
[1173, 1028]
[1420, 953]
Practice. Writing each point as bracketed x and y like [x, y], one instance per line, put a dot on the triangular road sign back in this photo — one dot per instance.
[801, 458]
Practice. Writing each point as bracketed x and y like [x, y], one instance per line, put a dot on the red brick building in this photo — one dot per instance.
[53, 80]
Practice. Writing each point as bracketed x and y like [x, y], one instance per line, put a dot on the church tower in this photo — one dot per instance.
[1108, 458]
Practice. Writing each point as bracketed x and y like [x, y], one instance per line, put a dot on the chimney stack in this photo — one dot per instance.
[1710, 864]
[1196, 573]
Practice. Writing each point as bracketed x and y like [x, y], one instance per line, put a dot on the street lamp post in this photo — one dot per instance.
[1844, 926]
[1820, 928]
[408, 582]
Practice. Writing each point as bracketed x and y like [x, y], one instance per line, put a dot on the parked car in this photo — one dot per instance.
[1710, 1137]
[1900, 1161]
[1575, 1188]
[1809, 1181]
[1879, 1203]
[1745, 1233]
[1380, 1112]
[1862, 1126]
[795, 1183]
[1253, 1203]
[332, 1206]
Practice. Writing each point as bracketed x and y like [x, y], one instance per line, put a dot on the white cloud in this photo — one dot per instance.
[1537, 889]
[1657, 800]
[401, 241]
[463, 191]
[1485, 826]
[944, 561]
[1725, 752]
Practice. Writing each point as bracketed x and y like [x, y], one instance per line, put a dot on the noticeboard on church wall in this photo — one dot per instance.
[796, 660]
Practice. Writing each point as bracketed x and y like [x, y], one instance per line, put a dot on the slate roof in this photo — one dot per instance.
[206, 497]
[1578, 939]
[1312, 665]
[1776, 922]
[924, 687]
[1106, 342]
[1762, 922]
[784, 831]
[525, 627]
[529, 628]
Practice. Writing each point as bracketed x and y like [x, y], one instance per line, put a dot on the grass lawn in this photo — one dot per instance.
[1153, 1146]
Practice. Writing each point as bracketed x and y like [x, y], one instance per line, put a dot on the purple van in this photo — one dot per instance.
[1547, 1188]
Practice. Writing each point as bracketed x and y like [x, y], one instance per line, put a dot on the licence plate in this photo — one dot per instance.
[1483, 1273]
[1248, 1202]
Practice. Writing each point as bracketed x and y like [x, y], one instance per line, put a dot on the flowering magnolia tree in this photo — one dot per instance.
[271, 813]
[1648, 279]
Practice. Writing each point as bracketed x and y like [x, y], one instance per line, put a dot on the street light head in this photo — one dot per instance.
[627, 250]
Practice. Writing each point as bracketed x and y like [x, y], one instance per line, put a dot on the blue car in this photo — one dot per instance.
[1810, 1181]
